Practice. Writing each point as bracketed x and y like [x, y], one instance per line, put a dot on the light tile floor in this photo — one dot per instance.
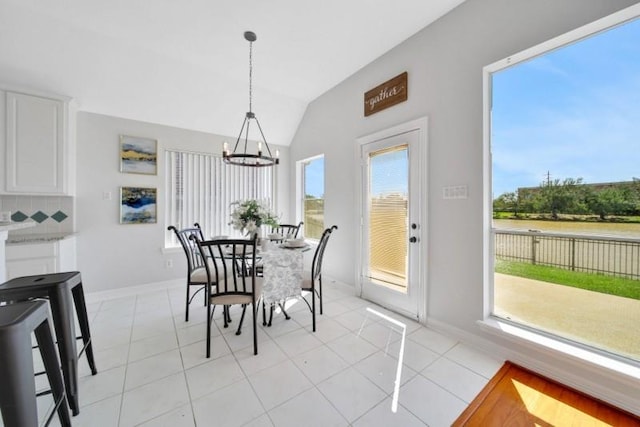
[153, 370]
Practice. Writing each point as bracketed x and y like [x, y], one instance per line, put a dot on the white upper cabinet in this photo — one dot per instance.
[38, 144]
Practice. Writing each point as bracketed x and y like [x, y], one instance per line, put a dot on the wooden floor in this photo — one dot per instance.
[518, 397]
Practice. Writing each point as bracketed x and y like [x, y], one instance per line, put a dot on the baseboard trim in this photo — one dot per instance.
[127, 291]
[93, 297]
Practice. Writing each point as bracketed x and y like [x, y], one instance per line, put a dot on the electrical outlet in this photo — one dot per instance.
[168, 263]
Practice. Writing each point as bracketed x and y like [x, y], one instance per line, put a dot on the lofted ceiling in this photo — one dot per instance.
[186, 63]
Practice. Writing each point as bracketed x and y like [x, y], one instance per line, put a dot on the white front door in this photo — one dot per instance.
[391, 215]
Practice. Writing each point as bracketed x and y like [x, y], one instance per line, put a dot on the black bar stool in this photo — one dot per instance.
[18, 391]
[60, 289]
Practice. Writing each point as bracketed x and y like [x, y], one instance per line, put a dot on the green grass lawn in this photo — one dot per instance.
[594, 282]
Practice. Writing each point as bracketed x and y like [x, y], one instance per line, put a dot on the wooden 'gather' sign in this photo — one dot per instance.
[387, 94]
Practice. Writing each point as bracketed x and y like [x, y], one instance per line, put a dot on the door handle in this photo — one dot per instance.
[413, 239]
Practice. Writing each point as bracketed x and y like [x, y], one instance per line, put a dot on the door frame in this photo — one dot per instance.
[420, 125]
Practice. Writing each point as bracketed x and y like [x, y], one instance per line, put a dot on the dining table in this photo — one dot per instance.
[282, 269]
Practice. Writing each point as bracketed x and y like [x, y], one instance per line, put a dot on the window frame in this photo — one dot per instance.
[300, 191]
[497, 325]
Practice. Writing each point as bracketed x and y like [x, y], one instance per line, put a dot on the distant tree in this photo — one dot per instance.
[634, 197]
[572, 196]
[558, 197]
[608, 201]
[506, 202]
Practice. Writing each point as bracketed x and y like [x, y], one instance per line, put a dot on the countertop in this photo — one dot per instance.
[23, 239]
[10, 226]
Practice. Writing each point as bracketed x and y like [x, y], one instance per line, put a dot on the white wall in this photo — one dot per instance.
[112, 255]
[444, 62]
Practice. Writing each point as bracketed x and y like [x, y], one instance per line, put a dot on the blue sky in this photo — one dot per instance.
[573, 112]
[314, 182]
[389, 173]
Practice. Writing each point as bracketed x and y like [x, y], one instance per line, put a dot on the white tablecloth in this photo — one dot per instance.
[282, 271]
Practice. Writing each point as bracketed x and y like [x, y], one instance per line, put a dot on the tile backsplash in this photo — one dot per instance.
[52, 214]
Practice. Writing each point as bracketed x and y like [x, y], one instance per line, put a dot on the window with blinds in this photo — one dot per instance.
[201, 187]
[388, 210]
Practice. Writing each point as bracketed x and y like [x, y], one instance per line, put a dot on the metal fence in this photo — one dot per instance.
[613, 256]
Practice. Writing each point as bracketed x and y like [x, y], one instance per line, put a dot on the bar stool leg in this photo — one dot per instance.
[18, 390]
[65, 334]
[52, 368]
[83, 320]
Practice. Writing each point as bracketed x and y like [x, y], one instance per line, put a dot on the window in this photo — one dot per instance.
[564, 131]
[311, 189]
[201, 188]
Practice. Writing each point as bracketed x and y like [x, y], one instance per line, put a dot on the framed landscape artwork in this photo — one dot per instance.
[138, 205]
[138, 155]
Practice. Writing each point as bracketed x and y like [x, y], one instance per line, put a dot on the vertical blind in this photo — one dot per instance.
[201, 187]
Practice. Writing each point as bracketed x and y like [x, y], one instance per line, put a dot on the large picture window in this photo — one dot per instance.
[201, 188]
[564, 142]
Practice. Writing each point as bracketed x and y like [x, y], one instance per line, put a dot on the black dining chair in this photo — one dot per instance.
[287, 231]
[312, 282]
[232, 280]
[196, 274]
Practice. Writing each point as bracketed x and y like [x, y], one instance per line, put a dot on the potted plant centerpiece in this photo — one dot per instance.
[249, 215]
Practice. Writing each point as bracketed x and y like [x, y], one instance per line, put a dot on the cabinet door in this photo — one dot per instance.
[35, 144]
[30, 267]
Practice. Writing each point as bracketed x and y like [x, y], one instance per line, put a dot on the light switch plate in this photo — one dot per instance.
[455, 192]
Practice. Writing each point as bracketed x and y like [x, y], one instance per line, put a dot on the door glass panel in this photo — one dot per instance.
[388, 216]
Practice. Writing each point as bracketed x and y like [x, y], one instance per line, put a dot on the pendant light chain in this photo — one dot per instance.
[250, 75]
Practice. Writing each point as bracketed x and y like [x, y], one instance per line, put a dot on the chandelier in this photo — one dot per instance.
[240, 155]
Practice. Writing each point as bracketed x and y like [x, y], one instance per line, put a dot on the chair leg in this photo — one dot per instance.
[208, 330]
[83, 321]
[52, 368]
[60, 302]
[313, 307]
[186, 309]
[320, 294]
[255, 332]
[226, 316]
[264, 314]
[244, 309]
[18, 390]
